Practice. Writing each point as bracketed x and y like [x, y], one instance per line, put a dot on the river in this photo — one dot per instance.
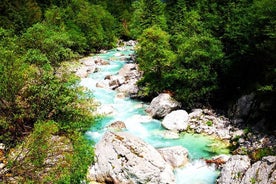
[132, 113]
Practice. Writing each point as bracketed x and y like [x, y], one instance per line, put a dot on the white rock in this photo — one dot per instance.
[123, 158]
[176, 120]
[234, 169]
[2, 166]
[120, 95]
[2, 146]
[103, 84]
[196, 113]
[162, 105]
[106, 110]
[261, 171]
[176, 156]
[128, 89]
[167, 134]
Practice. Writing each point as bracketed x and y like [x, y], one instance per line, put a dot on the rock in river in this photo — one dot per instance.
[176, 156]
[123, 158]
[176, 120]
[162, 105]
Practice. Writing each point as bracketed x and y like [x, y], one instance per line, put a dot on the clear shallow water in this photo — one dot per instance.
[132, 113]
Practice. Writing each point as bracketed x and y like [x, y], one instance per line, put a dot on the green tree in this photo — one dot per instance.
[176, 11]
[49, 41]
[97, 24]
[59, 99]
[147, 14]
[19, 15]
[154, 58]
[194, 77]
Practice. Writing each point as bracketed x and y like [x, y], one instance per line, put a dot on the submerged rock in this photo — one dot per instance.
[162, 105]
[167, 134]
[117, 126]
[176, 120]
[176, 156]
[123, 158]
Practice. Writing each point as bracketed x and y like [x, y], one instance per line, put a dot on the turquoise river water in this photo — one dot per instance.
[132, 113]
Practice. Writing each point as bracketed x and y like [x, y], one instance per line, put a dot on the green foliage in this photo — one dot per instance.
[218, 147]
[46, 158]
[96, 23]
[262, 152]
[253, 180]
[48, 41]
[209, 123]
[154, 58]
[82, 158]
[147, 14]
[14, 76]
[31, 154]
[194, 76]
[19, 15]
[61, 100]
[137, 18]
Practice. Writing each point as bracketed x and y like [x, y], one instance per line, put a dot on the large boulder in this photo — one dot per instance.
[238, 170]
[234, 169]
[263, 171]
[176, 120]
[176, 156]
[162, 105]
[241, 110]
[123, 158]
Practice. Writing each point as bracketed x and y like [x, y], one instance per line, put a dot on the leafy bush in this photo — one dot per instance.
[262, 152]
[44, 157]
[48, 41]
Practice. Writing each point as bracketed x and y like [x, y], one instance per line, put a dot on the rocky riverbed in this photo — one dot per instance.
[243, 140]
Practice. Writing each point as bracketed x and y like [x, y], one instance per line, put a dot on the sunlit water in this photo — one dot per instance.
[132, 113]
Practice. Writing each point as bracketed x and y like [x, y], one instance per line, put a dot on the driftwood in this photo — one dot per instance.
[217, 161]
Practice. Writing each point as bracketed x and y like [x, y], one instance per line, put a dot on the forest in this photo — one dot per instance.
[207, 53]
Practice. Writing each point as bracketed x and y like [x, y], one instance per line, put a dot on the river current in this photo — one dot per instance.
[138, 123]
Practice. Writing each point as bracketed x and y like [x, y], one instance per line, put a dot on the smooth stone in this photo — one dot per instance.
[176, 120]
